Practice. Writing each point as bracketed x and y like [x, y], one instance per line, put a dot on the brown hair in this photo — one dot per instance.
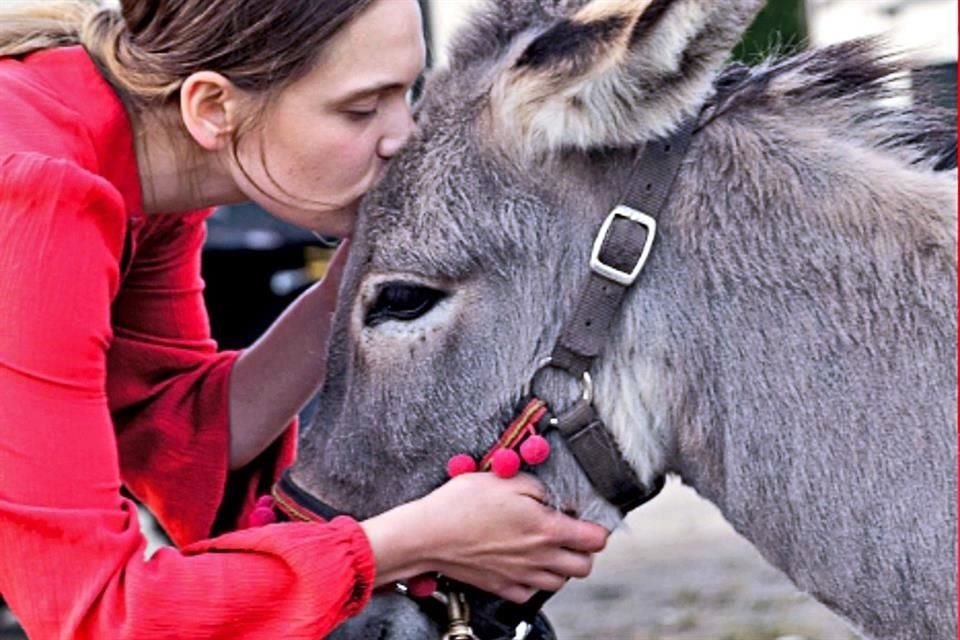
[146, 48]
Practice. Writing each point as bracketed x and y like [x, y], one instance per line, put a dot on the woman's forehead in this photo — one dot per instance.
[382, 46]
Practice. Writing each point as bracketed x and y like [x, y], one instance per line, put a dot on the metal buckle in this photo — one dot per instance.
[612, 273]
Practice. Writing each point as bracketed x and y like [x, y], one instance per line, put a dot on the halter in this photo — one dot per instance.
[620, 251]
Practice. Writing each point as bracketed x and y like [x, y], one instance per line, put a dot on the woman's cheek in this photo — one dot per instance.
[354, 159]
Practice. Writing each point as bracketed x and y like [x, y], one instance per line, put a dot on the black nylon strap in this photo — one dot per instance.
[307, 500]
[588, 330]
[499, 619]
[622, 248]
[598, 455]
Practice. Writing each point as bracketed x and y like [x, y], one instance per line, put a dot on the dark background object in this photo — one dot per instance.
[254, 265]
[937, 84]
[780, 27]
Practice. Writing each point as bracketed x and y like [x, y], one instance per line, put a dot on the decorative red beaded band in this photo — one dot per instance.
[522, 434]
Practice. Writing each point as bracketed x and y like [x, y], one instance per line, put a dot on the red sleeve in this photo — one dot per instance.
[168, 390]
[71, 553]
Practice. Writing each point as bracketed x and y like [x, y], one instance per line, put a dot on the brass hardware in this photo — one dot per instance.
[459, 613]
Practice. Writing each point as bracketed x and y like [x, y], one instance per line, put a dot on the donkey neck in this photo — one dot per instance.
[792, 319]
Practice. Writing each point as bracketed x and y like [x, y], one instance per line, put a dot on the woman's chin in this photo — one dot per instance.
[338, 223]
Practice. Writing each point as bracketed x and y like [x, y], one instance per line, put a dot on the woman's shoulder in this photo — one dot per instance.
[56, 109]
[55, 102]
[34, 118]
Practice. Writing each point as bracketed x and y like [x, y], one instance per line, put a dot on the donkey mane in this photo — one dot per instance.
[856, 88]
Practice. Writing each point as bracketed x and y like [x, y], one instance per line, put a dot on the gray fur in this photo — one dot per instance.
[789, 350]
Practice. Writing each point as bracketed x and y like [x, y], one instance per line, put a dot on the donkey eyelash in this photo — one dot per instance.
[402, 302]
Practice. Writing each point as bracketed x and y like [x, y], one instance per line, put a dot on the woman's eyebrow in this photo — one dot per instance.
[365, 92]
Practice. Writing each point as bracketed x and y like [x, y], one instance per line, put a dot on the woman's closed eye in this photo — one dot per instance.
[362, 113]
[362, 108]
[402, 302]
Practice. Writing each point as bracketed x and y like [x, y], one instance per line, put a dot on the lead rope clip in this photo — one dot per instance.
[459, 613]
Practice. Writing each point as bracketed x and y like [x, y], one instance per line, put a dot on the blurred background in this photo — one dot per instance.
[677, 571]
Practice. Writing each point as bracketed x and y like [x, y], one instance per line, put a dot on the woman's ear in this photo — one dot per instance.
[210, 109]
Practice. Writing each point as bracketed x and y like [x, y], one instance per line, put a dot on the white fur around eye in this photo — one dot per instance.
[392, 333]
[438, 317]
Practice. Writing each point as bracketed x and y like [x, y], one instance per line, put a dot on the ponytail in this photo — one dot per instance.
[44, 24]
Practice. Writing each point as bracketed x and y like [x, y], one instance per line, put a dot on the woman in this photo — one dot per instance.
[118, 129]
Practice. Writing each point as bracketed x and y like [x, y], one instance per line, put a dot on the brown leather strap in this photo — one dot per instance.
[583, 337]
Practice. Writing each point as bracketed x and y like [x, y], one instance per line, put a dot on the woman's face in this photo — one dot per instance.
[324, 140]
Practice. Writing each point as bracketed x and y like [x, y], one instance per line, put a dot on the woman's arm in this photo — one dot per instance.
[71, 552]
[276, 377]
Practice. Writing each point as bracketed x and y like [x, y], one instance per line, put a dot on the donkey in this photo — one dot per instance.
[788, 350]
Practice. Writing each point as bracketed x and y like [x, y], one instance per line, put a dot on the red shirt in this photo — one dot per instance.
[109, 377]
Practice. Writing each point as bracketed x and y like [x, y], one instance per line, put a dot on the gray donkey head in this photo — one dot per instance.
[788, 349]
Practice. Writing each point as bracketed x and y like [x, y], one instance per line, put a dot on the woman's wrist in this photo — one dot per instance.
[401, 543]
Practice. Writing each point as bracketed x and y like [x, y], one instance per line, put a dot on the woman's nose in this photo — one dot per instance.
[399, 132]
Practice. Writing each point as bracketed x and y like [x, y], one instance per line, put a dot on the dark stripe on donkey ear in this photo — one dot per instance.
[649, 19]
[570, 41]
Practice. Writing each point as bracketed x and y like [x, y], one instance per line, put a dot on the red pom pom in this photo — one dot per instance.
[421, 586]
[261, 516]
[460, 464]
[535, 450]
[505, 463]
[265, 501]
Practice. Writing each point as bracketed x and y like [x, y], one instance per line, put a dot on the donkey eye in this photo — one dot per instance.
[403, 302]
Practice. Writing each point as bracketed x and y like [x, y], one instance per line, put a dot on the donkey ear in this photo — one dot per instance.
[615, 73]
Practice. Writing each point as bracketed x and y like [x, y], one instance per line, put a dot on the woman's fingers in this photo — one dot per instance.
[516, 593]
[579, 535]
[546, 581]
[540, 581]
[570, 564]
[500, 536]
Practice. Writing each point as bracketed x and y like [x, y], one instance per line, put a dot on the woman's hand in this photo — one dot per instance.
[492, 533]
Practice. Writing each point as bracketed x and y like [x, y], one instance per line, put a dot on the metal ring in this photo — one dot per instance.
[586, 382]
[528, 386]
[587, 386]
